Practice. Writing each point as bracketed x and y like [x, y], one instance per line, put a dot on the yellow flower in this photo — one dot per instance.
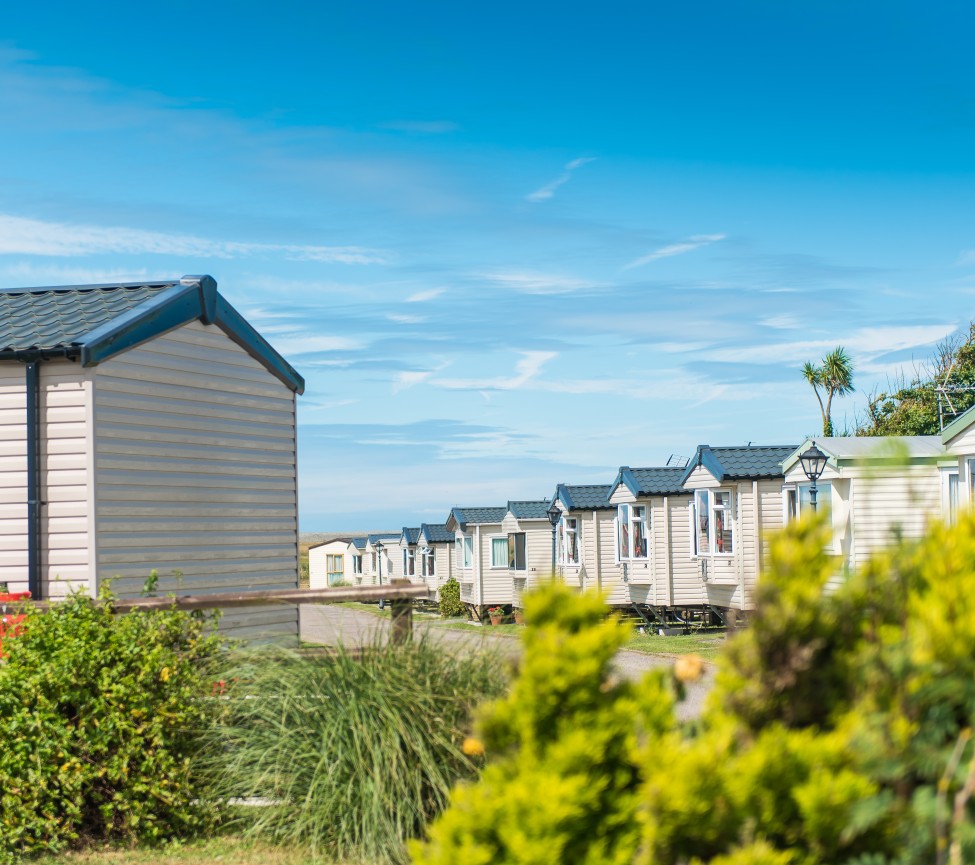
[472, 747]
[688, 668]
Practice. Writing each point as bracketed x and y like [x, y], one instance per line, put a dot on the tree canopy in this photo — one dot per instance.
[835, 376]
[911, 408]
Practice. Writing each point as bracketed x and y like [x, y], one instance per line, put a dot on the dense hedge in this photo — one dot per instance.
[99, 720]
[839, 730]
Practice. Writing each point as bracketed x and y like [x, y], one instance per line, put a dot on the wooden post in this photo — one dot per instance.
[401, 627]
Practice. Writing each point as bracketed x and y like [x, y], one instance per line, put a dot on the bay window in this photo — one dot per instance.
[569, 541]
[465, 551]
[632, 538]
[712, 529]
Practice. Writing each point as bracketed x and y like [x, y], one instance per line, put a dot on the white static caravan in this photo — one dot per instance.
[436, 556]
[146, 426]
[738, 497]
[330, 563]
[409, 555]
[958, 437]
[586, 554]
[379, 556]
[482, 585]
[872, 487]
[652, 544]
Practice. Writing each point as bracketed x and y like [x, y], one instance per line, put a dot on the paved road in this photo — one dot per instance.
[329, 624]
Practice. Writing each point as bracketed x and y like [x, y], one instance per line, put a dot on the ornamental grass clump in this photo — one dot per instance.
[839, 731]
[100, 721]
[350, 753]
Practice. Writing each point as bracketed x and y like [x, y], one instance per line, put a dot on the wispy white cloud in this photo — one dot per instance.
[422, 296]
[780, 322]
[25, 273]
[526, 369]
[402, 318]
[22, 236]
[548, 190]
[533, 282]
[296, 344]
[689, 245]
[863, 344]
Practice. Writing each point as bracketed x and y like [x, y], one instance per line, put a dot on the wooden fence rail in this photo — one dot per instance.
[399, 593]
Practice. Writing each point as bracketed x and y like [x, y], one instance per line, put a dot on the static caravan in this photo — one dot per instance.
[737, 498]
[436, 556]
[586, 551]
[872, 487]
[146, 426]
[958, 437]
[482, 585]
[357, 556]
[652, 544]
[379, 556]
[330, 562]
[524, 545]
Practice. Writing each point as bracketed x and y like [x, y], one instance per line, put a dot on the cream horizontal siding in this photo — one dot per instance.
[688, 590]
[195, 472]
[495, 583]
[610, 571]
[13, 477]
[904, 499]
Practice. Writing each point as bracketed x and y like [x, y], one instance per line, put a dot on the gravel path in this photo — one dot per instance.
[329, 624]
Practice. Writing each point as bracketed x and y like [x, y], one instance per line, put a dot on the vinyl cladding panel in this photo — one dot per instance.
[688, 589]
[13, 477]
[196, 474]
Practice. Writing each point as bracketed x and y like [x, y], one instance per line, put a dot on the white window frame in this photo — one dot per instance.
[970, 472]
[625, 516]
[794, 503]
[950, 494]
[501, 543]
[707, 496]
[428, 562]
[357, 565]
[564, 533]
[464, 545]
[409, 562]
[331, 561]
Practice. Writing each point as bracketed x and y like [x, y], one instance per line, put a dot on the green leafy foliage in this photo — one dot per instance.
[99, 723]
[911, 407]
[839, 729]
[450, 604]
[353, 752]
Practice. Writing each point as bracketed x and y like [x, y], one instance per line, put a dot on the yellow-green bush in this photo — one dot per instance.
[100, 718]
[839, 729]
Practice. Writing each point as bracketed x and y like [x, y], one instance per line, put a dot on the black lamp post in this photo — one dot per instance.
[813, 464]
[554, 515]
[380, 547]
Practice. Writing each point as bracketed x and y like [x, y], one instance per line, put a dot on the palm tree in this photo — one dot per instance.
[835, 377]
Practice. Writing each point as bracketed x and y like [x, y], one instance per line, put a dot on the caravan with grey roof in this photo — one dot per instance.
[146, 426]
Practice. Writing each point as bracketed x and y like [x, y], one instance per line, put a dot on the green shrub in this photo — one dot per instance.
[839, 730]
[99, 723]
[359, 749]
[450, 604]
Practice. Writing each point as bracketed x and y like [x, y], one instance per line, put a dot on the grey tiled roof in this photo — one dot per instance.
[359, 543]
[53, 319]
[529, 510]
[436, 533]
[733, 463]
[584, 496]
[412, 535]
[659, 480]
[478, 516]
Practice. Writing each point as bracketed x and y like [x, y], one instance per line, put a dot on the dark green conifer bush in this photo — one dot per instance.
[839, 730]
[100, 718]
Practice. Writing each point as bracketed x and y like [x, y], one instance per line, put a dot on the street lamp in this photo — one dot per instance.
[380, 547]
[554, 515]
[813, 464]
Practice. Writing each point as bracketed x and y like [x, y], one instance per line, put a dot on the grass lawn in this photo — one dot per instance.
[230, 851]
[707, 645]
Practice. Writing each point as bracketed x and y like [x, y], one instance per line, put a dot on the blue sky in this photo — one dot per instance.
[510, 245]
